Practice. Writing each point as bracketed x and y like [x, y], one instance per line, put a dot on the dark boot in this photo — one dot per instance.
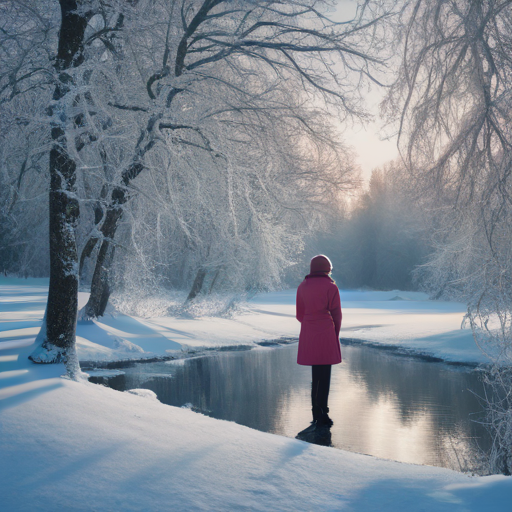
[317, 413]
[323, 420]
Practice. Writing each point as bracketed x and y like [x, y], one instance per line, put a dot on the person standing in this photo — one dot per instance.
[318, 309]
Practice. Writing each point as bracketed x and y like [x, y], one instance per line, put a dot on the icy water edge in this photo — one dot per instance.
[382, 404]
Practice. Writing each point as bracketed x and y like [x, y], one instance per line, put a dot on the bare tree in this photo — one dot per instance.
[135, 80]
[235, 222]
[23, 189]
[455, 104]
[210, 45]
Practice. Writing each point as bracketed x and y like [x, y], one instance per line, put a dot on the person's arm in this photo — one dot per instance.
[335, 310]
[299, 304]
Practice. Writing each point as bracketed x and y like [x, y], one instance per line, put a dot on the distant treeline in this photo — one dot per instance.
[382, 239]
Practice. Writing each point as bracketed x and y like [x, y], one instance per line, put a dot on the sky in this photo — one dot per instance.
[371, 147]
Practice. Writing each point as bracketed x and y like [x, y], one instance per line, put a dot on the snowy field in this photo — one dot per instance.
[76, 446]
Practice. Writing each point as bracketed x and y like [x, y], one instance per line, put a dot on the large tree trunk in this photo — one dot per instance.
[102, 289]
[98, 216]
[100, 285]
[214, 280]
[61, 311]
[86, 253]
[198, 284]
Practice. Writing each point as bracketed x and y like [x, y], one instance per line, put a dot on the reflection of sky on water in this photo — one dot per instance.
[382, 404]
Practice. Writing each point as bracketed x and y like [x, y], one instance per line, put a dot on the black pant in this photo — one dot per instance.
[320, 388]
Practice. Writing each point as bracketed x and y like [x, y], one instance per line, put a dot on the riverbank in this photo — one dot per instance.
[68, 445]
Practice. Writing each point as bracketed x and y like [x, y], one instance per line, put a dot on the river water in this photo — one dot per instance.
[394, 407]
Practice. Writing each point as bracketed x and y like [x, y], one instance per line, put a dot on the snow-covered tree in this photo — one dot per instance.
[455, 103]
[239, 55]
[23, 189]
[237, 220]
[133, 81]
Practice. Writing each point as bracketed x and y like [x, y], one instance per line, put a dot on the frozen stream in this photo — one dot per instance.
[390, 406]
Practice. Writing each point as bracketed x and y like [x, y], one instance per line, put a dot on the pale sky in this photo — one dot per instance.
[368, 141]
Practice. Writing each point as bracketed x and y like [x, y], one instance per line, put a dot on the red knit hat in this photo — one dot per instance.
[320, 263]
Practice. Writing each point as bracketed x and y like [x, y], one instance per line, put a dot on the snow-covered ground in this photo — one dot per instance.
[68, 445]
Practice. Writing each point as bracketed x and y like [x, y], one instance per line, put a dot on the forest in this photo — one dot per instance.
[197, 146]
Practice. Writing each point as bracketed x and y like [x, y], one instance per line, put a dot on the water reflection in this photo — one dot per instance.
[385, 405]
[408, 410]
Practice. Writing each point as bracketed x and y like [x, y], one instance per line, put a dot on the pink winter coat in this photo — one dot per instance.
[319, 311]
